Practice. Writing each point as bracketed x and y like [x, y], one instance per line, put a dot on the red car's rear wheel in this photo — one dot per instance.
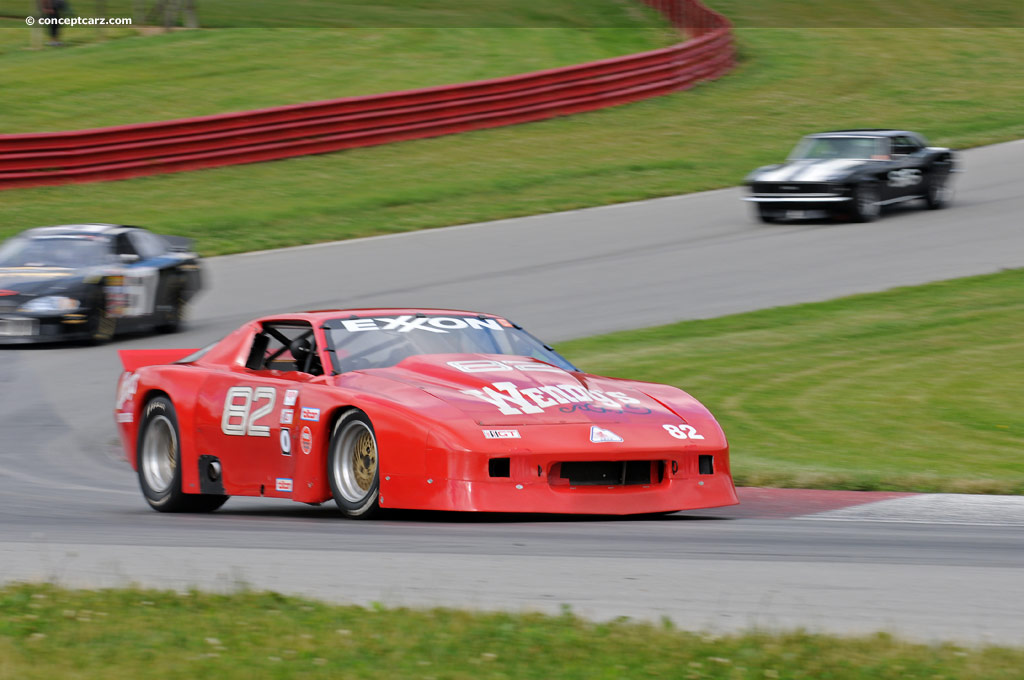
[159, 462]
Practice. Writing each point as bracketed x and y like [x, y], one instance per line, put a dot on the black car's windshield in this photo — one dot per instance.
[860, 148]
[379, 342]
[54, 251]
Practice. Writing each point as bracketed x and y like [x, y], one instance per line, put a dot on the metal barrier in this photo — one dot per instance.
[52, 158]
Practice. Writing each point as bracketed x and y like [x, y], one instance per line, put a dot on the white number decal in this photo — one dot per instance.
[239, 419]
[682, 432]
[236, 415]
[491, 366]
[905, 177]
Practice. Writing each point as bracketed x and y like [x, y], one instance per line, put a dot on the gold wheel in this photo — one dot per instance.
[364, 460]
[353, 466]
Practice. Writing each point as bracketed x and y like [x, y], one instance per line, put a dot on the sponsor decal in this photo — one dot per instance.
[430, 324]
[501, 434]
[683, 431]
[311, 414]
[290, 396]
[286, 416]
[284, 484]
[8, 292]
[599, 435]
[126, 390]
[286, 442]
[306, 440]
[133, 293]
[125, 417]
[510, 400]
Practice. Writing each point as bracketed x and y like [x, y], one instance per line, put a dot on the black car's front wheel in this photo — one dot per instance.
[174, 315]
[159, 462]
[767, 215]
[353, 466]
[936, 194]
[866, 204]
[100, 324]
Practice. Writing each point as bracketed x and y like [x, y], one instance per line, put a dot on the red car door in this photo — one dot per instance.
[250, 416]
[241, 424]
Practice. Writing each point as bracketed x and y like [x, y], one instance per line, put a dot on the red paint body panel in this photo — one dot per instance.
[439, 420]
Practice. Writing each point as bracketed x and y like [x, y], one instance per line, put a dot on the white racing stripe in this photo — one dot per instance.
[819, 170]
[935, 508]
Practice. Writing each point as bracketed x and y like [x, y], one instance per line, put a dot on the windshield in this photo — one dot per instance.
[379, 342]
[861, 148]
[54, 251]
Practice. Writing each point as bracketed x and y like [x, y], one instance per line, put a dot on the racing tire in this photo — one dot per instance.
[100, 324]
[865, 205]
[766, 215]
[936, 194]
[353, 466]
[172, 319]
[158, 463]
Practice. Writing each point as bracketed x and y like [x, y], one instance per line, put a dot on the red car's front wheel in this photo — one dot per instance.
[353, 466]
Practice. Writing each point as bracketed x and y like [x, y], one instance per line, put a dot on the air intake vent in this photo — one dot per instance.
[608, 473]
[706, 465]
[499, 467]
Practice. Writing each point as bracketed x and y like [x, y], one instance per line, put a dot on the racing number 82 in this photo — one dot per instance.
[682, 431]
[239, 418]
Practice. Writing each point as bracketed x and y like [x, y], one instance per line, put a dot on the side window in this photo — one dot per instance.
[147, 245]
[124, 246]
[285, 346]
[883, 149]
[904, 146]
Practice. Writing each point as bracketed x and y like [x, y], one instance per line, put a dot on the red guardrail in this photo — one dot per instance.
[51, 158]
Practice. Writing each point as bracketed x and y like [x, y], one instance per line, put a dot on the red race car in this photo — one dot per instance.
[410, 408]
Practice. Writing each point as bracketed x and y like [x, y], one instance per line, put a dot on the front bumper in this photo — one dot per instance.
[797, 199]
[567, 482]
[22, 329]
[809, 196]
[673, 495]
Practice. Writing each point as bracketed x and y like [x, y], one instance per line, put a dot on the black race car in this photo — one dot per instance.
[853, 174]
[88, 281]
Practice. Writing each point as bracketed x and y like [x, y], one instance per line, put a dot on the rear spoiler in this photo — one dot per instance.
[178, 244]
[134, 359]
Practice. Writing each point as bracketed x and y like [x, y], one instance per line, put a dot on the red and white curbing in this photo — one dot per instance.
[877, 506]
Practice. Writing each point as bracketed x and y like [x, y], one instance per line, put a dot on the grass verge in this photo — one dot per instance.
[914, 389]
[378, 14]
[194, 73]
[46, 632]
[961, 87]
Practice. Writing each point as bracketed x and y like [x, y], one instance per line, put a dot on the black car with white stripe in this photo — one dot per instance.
[852, 174]
[90, 281]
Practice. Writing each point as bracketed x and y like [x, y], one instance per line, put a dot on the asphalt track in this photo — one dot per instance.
[924, 567]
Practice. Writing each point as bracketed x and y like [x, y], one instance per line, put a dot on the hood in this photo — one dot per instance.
[27, 279]
[809, 170]
[498, 390]
[18, 284]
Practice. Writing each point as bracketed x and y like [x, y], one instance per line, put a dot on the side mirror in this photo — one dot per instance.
[128, 258]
